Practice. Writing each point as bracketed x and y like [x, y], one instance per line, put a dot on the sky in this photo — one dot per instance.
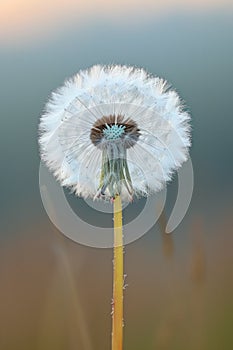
[22, 21]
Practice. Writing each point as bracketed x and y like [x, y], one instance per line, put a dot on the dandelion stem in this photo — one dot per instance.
[118, 279]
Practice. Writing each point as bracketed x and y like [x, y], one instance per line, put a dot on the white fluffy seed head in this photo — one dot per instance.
[129, 95]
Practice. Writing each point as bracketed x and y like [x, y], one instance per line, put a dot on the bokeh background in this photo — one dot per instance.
[56, 294]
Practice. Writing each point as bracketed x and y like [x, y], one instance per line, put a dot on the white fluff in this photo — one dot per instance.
[70, 113]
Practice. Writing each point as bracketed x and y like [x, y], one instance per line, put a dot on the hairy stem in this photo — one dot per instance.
[118, 278]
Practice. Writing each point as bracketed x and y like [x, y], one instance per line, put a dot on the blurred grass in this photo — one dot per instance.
[56, 294]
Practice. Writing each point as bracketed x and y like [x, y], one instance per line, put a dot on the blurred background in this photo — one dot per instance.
[56, 294]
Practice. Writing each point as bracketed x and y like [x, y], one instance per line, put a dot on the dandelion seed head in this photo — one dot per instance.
[114, 130]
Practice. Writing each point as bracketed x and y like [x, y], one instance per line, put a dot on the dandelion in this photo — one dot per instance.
[114, 133]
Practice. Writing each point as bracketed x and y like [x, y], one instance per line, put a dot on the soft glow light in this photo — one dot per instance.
[23, 20]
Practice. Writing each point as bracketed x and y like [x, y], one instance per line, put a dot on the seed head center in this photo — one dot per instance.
[113, 132]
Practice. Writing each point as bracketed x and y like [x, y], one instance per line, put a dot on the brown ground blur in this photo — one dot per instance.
[56, 294]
